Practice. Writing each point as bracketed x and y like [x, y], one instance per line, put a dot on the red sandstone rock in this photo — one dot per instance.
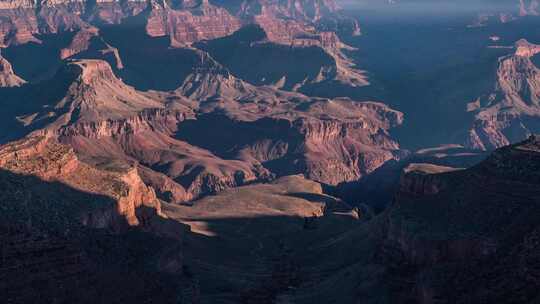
[53, 162]
[328, 140]
[296, 24]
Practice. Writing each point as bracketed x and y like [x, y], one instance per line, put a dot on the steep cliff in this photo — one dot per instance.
[101, 118]
[508, 114]
[301, 24]
[87, 43]
[190, 21]
[70, 230]
[289, 133]
[472, 221]
[52, 162]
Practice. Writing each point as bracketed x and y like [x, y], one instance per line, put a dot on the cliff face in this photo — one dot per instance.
[65, 223]
[52, 162]
[327, 140]
[508, 114]
[300, 24]
[335, 151]
[88, 43]
[422, 179]
[445, 223]
[102, 118]
[184, 21]
[191, 22]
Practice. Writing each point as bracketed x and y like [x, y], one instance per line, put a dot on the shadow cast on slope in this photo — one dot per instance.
[35, 62]
[260, 259]
[233, 135]
[249, 56]
[149, 62]
[30, 107]
[48, 256]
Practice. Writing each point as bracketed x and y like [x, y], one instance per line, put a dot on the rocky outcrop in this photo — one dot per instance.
[96, 94]
[508, 114]
[65, 223]
[312, 23]
[478, 216]
[79, 43]
[190, 22]
[8, 78]
[328, 140]
[53, 162]
[423, 179]
[102, 118]
[90, 44]
[303, 32]
[209, 79]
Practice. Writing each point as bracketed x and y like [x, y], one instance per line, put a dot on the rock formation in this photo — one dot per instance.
[328, 140]
[102, 118]
[473, 222]
[507, 114]
[192, 21]
[65, 223]
[88, 43]
[311, 23]
[52, 162]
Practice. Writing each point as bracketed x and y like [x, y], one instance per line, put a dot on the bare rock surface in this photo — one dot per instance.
[507, 115]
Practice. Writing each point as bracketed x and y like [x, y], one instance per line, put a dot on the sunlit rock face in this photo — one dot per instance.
[50, 161]
[300, 24]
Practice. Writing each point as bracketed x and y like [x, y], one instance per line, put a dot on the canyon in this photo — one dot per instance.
[269, 151]
[507, 114]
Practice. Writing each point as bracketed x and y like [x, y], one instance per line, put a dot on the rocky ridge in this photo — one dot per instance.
[462, 221]
[65, 223]
[351, 135]
[305, 24]
[102, 118]
[507, 114]
[52, 162]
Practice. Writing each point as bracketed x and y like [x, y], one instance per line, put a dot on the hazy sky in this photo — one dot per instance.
[432, 6]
